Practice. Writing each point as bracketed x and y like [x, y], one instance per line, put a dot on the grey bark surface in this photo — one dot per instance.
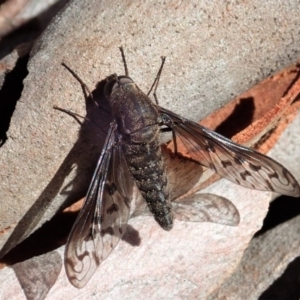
[214, 52]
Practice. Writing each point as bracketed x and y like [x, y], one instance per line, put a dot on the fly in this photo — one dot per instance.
[132, 154]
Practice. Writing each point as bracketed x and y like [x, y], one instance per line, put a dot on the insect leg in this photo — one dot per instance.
[85, 88]
[76, 116]
[86, 91]
[72, 114]
[168, 129]
[124, 61]
[156, 80]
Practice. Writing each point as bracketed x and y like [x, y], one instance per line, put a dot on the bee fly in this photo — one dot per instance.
[132, 154]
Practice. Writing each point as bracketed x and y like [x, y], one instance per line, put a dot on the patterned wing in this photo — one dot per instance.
[236, 163]
[206, 208]
[103, 218]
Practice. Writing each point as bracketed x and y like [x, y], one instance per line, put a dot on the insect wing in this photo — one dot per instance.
[206, 208]
[103, 218]
[236, 163]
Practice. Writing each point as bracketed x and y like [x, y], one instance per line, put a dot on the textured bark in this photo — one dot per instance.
[214, 52]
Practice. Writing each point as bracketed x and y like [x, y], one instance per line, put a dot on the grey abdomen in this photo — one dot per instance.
[146, 166]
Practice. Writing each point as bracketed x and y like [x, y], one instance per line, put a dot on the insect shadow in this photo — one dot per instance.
[81, 160]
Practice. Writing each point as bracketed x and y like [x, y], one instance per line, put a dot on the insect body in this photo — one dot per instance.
[138, 123]
[131, 153]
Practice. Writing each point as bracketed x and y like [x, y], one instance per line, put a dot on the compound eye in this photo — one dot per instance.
[114, 82]
[122, 81]
[125, 80]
